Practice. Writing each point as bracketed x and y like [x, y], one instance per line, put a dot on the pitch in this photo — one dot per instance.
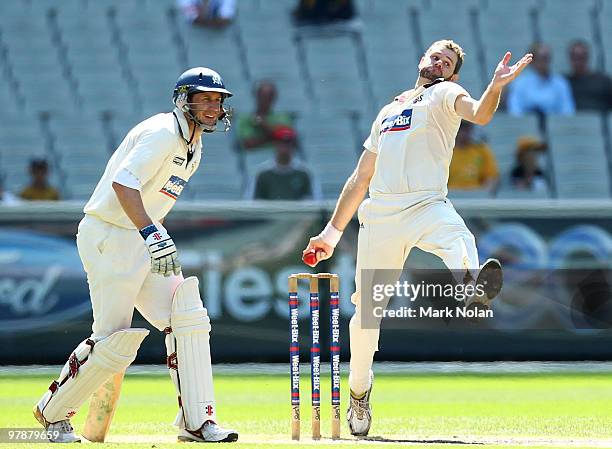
[434, 410]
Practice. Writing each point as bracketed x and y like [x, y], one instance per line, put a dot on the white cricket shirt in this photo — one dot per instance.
[156, 155]
[414, 141]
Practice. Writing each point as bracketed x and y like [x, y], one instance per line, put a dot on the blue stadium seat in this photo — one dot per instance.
[498, 36]
[330, 149]
[218, 176]
[336, 78]
[578, 156]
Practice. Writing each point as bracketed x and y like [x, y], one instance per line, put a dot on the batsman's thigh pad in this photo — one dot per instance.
[187, 343]
[90, 365]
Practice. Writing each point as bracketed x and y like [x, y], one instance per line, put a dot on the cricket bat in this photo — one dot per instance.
[102, 409]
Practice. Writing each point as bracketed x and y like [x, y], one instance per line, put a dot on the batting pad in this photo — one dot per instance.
[188, 349]
[88, 367]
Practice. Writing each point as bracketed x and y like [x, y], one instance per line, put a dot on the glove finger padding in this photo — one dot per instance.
[177, 264]
[162, 265]
[169, 266]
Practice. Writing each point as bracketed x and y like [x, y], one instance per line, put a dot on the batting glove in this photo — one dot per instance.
[164, 259]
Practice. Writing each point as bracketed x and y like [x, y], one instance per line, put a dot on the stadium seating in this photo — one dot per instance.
[578, 22]
[330, 150]
[78, 74]
[502, 134]
[578, 156]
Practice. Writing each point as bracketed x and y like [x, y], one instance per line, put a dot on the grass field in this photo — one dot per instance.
[423, 410]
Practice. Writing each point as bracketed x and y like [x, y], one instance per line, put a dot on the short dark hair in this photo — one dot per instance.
[39, 163]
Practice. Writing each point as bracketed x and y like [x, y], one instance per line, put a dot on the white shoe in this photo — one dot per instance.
[359, 414]
[210, 432]
[58, 432]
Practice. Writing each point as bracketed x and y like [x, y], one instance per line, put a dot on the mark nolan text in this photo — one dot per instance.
[432, 312]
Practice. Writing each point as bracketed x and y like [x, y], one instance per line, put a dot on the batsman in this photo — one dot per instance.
[405, 167]
[131, 261]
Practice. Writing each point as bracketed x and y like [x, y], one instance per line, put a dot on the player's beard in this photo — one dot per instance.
[429, 73]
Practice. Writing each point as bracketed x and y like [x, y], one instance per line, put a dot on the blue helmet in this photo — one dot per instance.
[200, 79]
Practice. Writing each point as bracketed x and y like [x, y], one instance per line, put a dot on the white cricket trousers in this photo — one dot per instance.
[118, 268]
[390, 226]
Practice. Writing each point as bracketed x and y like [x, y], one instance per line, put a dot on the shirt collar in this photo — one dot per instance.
[182, 122]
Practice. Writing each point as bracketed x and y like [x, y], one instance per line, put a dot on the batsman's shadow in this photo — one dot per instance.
[380, 439]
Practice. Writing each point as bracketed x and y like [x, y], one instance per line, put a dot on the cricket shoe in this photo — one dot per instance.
[490, 281]
[359, 414]
[210, 432]
[57, 432]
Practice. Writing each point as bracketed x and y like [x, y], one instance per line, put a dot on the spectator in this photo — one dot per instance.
[539, 90]
[527, 175]
[319, 12]
[255, 131]
[284, 178]
[473, 165]
[208, 13]
[39, 188]
[591, 90]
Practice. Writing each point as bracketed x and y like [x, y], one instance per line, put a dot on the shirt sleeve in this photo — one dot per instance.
[449, 92]
[190, 9]
[245, 129]
[127, 179]
[515, 105]
[567, 99]
[227, 10]
[148, 154]
[371, 143]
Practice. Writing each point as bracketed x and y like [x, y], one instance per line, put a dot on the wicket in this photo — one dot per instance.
[315, 353]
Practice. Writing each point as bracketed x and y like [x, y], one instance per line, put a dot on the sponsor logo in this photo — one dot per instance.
[178, 160]
[209, 410]
[157, 236]
[174, 187]
[42, 282]
[398, 122]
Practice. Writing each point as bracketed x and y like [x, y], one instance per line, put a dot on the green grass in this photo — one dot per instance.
[556, 410]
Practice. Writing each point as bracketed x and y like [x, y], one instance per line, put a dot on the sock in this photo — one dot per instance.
[358, 396]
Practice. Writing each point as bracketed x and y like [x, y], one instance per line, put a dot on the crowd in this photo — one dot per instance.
[274, 134]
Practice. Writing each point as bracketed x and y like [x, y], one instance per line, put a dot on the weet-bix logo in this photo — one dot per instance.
[398, 122]
[173, 187]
